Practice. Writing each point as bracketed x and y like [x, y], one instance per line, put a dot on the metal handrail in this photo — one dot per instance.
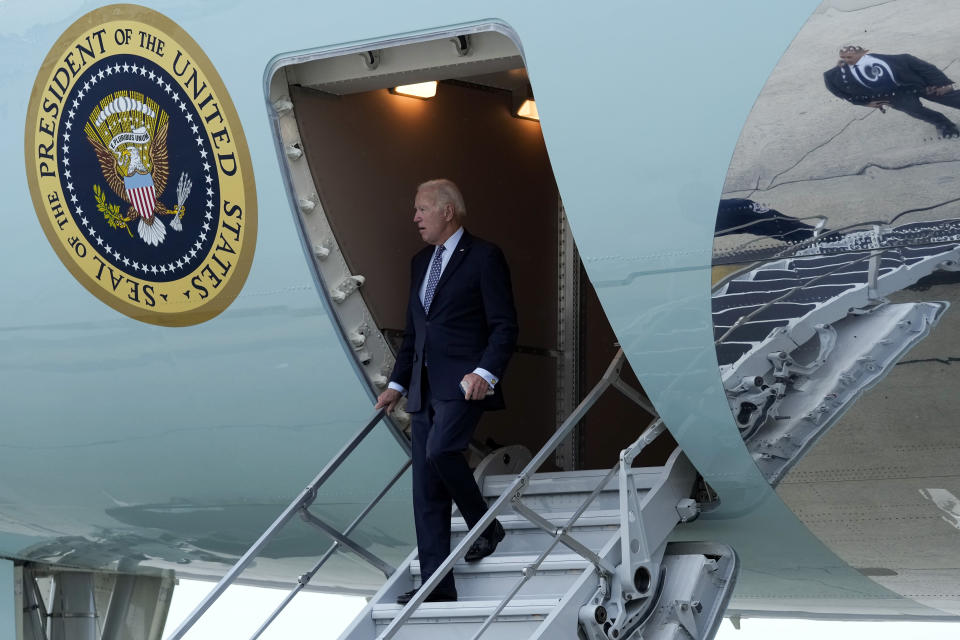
[515, 490]
[300, 503]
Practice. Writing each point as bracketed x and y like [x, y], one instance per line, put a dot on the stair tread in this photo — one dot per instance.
[513, 562]
[551, 475]
[560, 482]
[598, 517]
[466, 608]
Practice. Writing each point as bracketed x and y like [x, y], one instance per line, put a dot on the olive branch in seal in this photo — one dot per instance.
[111, 212]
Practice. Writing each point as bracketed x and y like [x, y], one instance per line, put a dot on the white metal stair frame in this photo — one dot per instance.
[603, 596]
[555, 586]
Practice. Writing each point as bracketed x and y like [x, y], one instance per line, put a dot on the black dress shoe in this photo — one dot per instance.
[404, 598]
[484, 546]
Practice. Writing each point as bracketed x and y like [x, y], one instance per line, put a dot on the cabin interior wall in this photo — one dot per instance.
[368, 152]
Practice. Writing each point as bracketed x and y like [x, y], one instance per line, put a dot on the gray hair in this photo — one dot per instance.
[447, 193]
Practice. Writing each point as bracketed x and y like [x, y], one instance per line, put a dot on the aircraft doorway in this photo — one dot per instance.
[356, 149]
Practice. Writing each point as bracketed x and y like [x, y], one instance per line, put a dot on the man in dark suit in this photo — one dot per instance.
[461, 331]
[898, 81]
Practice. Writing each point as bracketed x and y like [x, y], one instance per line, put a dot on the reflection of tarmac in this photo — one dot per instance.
[803, 150]
[799, 339]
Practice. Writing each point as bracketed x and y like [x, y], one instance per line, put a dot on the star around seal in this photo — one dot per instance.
[139, 169]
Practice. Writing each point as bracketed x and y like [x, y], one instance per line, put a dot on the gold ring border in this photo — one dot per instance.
[244, 260]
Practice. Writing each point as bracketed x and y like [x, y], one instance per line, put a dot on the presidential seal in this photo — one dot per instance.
[139, 169]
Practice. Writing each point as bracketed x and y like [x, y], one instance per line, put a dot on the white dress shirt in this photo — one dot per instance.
[449, 246]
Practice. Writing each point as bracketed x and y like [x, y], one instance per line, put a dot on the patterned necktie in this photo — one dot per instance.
[434, 277]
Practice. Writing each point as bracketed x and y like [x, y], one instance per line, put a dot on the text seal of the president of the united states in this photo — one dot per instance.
[139, 169]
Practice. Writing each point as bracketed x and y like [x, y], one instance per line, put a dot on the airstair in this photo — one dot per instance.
[560, 566]
[586, 555]
[799, 339]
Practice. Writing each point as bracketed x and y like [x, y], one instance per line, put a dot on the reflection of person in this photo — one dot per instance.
[461, 331]
[898, 81]
[740, 215]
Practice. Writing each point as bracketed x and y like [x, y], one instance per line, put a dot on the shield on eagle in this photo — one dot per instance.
[141, 192]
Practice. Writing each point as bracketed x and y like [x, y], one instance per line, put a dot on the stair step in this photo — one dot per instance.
[497, 574]
[566, 482]
[510, 628]
[513, 521]
[513, 563]
[531, 608]
[593, 530]
[566, 491]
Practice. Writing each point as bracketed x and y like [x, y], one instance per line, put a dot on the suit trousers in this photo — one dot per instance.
[910, 104]
[440, 432]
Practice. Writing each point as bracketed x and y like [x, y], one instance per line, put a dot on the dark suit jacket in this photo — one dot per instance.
[472, 323]
[912, 75]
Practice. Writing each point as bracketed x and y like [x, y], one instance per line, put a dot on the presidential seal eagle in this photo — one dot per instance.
[129, 136]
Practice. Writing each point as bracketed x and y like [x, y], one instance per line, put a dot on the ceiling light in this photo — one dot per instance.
[422, 90]
[528, 110]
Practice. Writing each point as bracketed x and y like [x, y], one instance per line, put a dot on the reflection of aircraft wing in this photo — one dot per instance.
[748, 307]
[204, 427]
[799, 340]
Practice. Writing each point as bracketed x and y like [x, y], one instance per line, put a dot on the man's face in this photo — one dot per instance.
[851, 57]
[433, 220]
